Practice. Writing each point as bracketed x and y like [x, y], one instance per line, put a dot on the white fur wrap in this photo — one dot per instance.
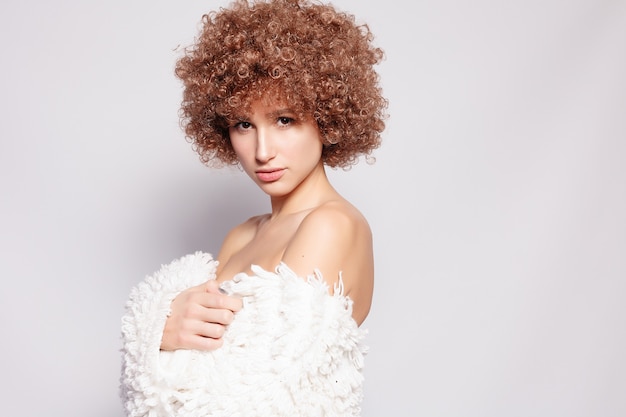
[293, 350]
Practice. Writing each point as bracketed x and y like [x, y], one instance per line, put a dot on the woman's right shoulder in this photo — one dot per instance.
[239, 236]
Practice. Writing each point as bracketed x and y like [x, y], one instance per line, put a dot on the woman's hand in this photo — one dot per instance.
[199, 318]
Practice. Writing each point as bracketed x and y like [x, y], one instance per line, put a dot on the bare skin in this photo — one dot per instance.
[311, 227]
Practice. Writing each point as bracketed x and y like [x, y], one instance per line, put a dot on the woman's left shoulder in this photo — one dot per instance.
[334, 217]
[335, 239]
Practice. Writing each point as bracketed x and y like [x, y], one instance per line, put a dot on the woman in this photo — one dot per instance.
[282, 88]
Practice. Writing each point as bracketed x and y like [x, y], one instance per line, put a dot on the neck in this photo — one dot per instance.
[310, 193]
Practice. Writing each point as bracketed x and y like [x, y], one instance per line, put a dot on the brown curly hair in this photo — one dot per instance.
[311, 56]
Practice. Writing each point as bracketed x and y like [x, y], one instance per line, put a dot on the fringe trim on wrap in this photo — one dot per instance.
[293, 350]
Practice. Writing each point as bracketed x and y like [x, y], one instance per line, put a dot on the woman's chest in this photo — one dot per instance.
[265, 249]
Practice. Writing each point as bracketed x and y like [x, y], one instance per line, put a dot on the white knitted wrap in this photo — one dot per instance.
[293, 350]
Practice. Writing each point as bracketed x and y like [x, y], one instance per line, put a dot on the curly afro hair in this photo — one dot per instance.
[308, 55]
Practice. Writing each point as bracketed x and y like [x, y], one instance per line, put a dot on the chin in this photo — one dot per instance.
[274, 190]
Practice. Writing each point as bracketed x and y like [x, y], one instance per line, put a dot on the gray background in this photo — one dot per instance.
[497, 201]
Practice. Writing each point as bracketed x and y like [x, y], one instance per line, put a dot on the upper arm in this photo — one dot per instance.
[336, 242]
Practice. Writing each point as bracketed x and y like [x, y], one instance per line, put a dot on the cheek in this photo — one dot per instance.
[313, 144]
[316, 148]
[309, 152]
[241, 148]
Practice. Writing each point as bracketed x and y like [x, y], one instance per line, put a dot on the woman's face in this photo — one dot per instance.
[276, 148]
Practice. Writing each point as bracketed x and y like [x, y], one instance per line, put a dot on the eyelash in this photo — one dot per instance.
[240, 125]
[282, 121]
[285, 120]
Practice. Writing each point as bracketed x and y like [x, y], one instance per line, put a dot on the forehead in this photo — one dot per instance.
[262, 102]
[270, 110]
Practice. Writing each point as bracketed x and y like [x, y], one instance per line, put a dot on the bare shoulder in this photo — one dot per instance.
[336, 239]
[337, 222]
[238, 237]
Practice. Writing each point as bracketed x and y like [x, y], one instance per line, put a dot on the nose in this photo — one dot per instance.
[264, 146]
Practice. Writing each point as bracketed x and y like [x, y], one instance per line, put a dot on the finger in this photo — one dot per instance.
[207, 343]
[223, 316]
[210, 330]
[193, 335]
[204, 343]
[232, 303]
[213, 287]
[198, 288]
[219, 301]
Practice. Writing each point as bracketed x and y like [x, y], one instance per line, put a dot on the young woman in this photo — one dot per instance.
[282, 88]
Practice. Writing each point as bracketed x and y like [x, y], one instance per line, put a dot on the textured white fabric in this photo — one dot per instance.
[293, 350]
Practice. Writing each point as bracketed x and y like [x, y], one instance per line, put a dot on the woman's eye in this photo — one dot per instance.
[243, 125]
[284, 121]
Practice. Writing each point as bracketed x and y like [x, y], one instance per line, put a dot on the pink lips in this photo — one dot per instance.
[270, 175]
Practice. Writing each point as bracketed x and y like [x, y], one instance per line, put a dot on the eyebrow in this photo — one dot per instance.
[279, 112]
[269, 115]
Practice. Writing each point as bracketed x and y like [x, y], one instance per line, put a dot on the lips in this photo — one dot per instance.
[270, 175]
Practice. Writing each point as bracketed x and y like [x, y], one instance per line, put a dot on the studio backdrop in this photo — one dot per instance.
[497, 201]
